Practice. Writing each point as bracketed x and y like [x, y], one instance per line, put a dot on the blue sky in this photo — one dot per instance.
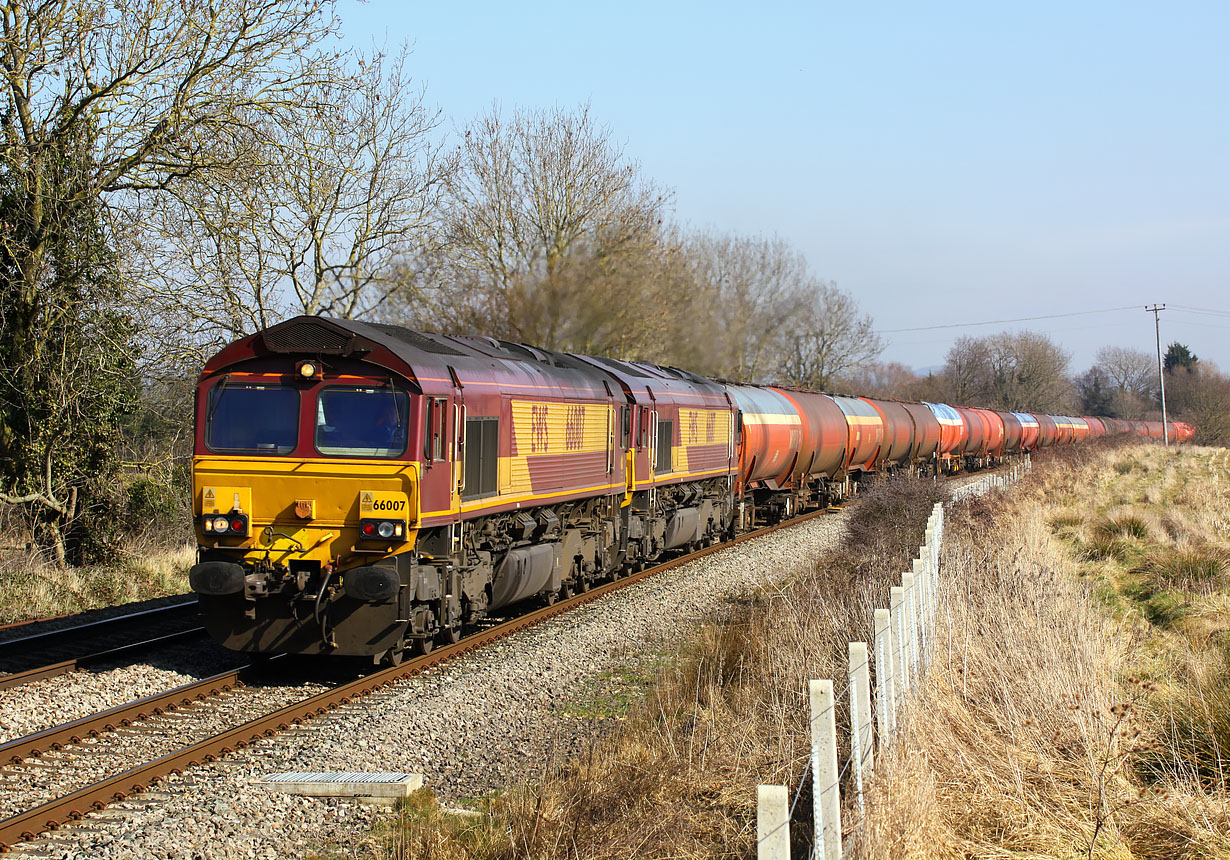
[944, 162]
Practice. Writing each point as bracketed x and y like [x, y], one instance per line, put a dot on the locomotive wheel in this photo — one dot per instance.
[423, 646]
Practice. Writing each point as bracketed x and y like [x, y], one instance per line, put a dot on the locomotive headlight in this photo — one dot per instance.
[385, 530]
[308, 369]
[222, 524]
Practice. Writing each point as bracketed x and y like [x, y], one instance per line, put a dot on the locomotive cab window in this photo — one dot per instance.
[625, 423]
[252, 419]
[362, 422]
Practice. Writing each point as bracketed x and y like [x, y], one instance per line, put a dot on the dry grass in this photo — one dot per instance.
[31, 587]
[677, 777]
[1077, 705]
[1049, 727]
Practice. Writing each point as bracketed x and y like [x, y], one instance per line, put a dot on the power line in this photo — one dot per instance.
[1018, 319]
[1212, 311]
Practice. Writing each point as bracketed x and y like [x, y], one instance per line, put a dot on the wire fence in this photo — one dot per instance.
[902, 648]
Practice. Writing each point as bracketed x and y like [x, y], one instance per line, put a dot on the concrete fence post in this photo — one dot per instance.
[861, 752]
[885, 700]
[772, 823]
[922, 586]
[825, 788]
[896, 607]
[909, 595]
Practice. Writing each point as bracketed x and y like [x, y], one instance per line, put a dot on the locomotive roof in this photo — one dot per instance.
[427, 355]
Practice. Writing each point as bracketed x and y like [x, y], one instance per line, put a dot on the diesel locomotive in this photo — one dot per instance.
[363, 489]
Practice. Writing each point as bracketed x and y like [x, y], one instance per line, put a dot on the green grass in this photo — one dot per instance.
[1187, 568]
[1127, 525]
[613, 693]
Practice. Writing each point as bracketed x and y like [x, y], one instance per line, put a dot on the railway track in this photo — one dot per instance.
[57, 652]
[89, 737]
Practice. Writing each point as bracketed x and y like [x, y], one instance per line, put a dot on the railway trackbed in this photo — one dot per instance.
[50, 777]
[58, 652]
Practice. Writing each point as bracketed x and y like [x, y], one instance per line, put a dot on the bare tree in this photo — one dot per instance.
[749, 286]
[881, 379]
[1130, 370]
[1010, 370]
[102, 102]
[968, 370]
[546, 219]
[825, 337]
[334, 213]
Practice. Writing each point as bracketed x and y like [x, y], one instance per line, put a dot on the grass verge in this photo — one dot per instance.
[1077, 705]
[674, 773]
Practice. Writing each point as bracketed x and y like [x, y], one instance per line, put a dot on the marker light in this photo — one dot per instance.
[382, 529]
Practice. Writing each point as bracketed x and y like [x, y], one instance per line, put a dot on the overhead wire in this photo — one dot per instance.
[1016, 319]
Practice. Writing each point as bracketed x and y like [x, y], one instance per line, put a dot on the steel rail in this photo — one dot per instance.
[52, 670]
[14, 650]
[58, 737]
[30, 622]
[72, 807]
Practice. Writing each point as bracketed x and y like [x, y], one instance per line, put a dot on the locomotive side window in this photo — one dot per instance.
[362, 422]
[625, 433]
[666, 433]
[252, 419]
[482, 455]
[436, 427]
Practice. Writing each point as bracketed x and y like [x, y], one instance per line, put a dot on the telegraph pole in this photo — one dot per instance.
[1161, 377]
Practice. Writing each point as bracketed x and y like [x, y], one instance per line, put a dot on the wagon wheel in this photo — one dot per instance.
[423, 646]
[451, 635]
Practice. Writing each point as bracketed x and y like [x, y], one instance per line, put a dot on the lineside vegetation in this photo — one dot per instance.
[1076, 705]
[1079, 707]
[673, 774]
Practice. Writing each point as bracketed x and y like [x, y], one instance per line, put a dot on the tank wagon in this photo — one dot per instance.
[363, 489]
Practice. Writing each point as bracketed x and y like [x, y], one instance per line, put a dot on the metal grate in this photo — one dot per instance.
[307, 336]
[415, 339]
[342, 777]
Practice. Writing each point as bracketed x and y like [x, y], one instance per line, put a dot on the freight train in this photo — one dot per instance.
[367, 490]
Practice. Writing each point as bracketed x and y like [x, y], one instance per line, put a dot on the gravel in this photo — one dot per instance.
[53, 701]
[470, 727]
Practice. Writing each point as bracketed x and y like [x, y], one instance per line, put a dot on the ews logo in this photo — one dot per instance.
[574, 428]
[539, 435]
